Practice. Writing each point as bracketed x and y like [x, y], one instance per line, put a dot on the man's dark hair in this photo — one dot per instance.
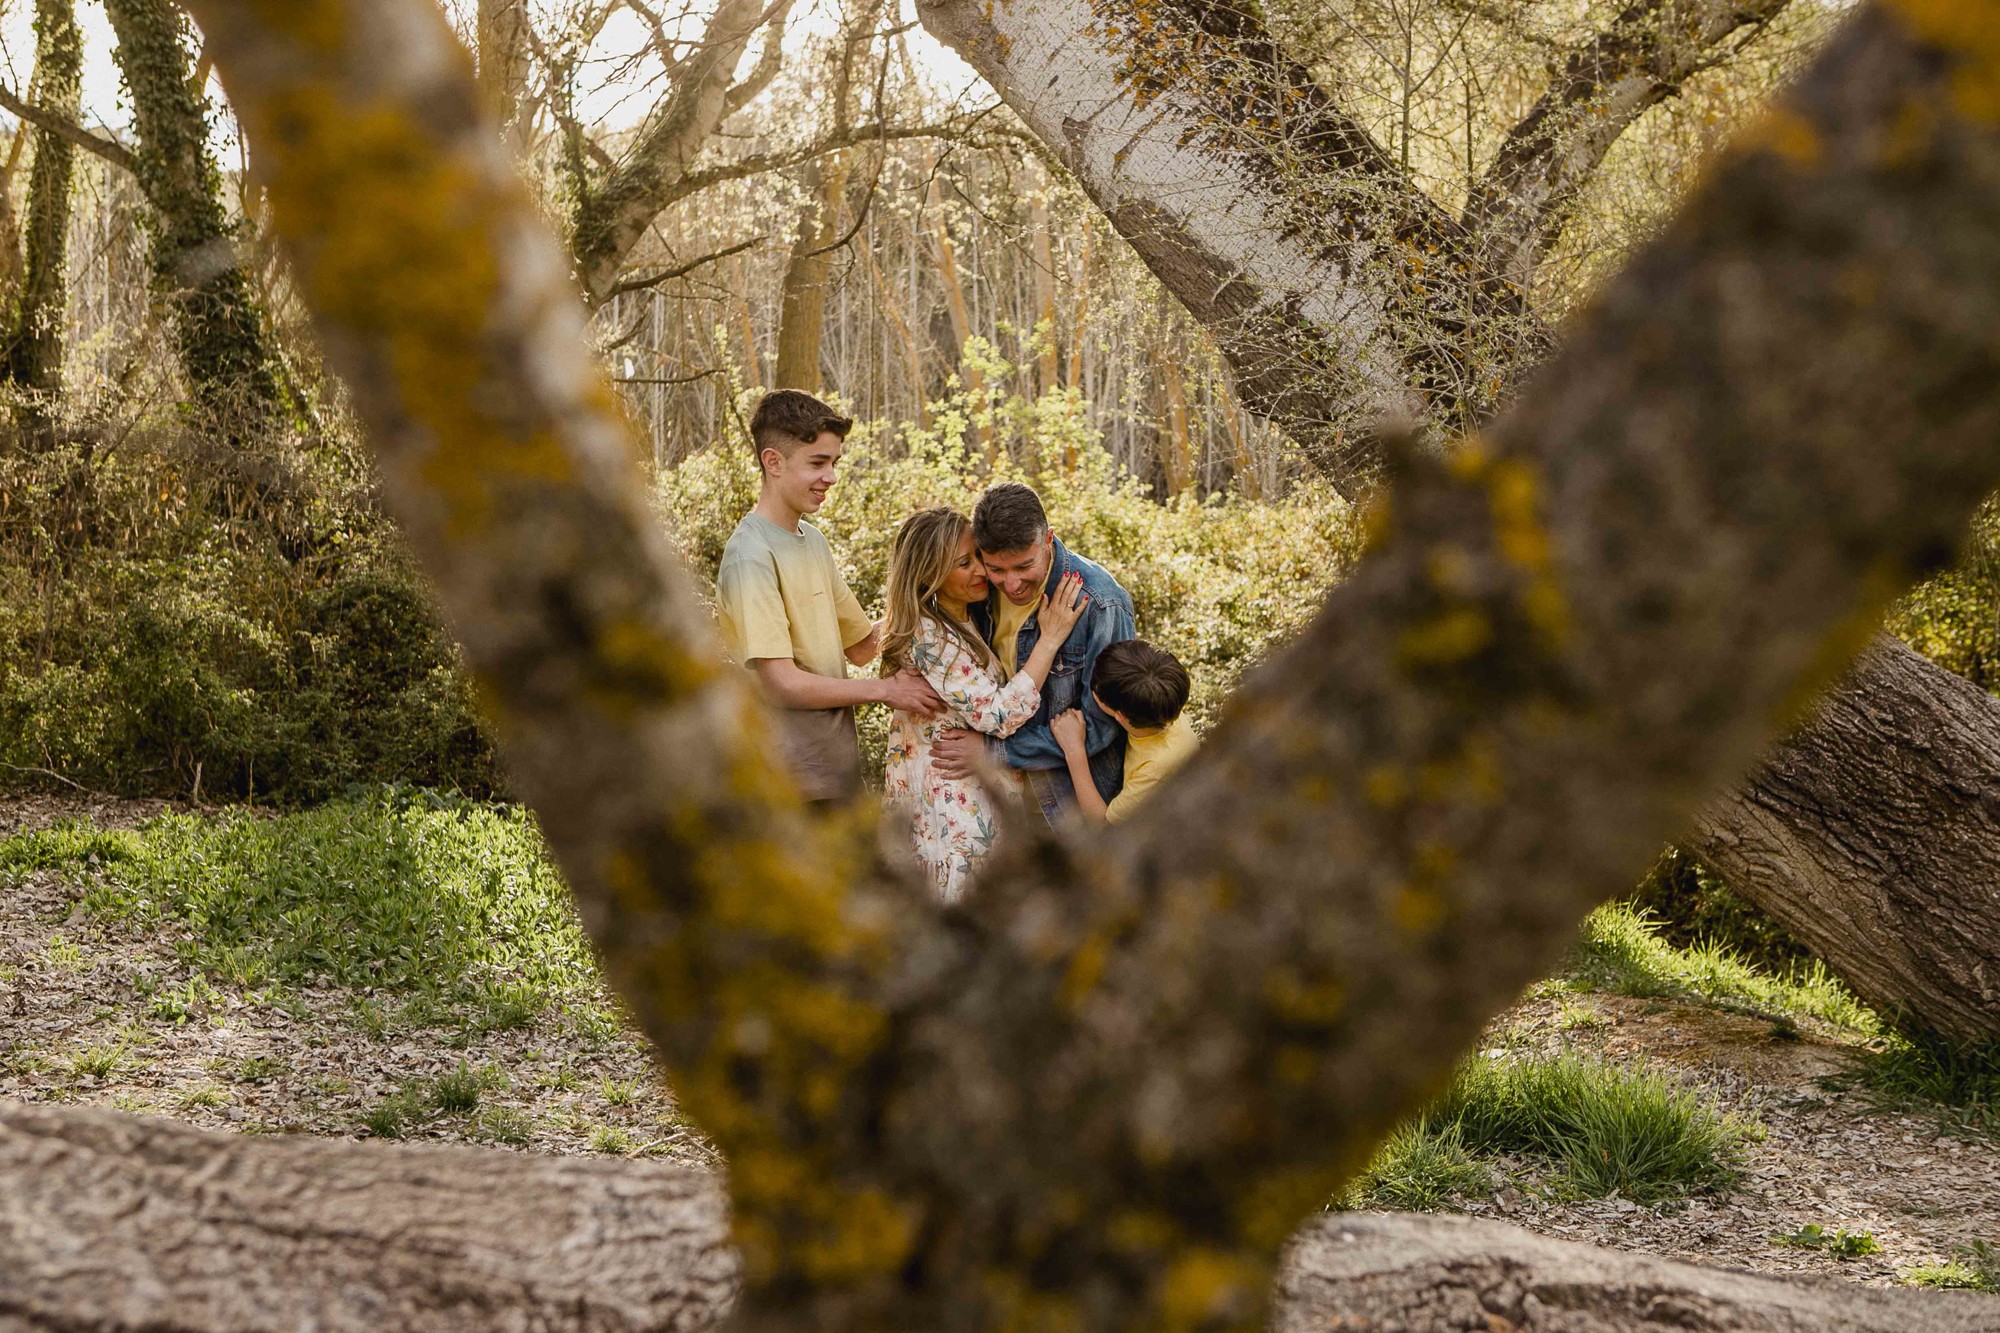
[1147, 685]
[788, 418]
[1009, 517]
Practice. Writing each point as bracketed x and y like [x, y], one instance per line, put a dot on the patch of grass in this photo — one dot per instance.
[64, 956]
[1421, 1168]
[199, 1097]
[1620, 950]
[620, 1091]
[191, 999]
[1953, 1276]
[1606, 1131]
[418, 1101]
[502, 1124]
[611, 1139]
[1840, 1244]
[1960, 1084]
[96, 1061]
[257, 1069]
[450, 906]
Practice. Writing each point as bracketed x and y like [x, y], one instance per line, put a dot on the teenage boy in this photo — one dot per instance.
[1144, 689]
[1023, 560]
[789, 616]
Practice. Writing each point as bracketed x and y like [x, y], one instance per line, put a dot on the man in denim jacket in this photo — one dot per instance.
[1023, 559]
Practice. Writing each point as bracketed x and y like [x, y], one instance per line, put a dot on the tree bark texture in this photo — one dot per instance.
[502, 36]
[1873, 835]
[218, 327]
[1397, 1273]
[1103, 1092]
[1851, 792]
[35, 345]
[116, 1224]
[112, 1222]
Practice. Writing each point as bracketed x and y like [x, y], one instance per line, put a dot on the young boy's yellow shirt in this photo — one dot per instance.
[1148, 761]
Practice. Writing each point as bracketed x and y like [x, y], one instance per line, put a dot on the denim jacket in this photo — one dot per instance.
[1033, 749]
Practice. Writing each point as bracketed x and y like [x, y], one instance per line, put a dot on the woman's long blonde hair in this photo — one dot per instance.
[926, 549]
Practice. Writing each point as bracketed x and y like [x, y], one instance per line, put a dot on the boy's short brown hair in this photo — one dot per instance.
[1147, 685]
[1009, 517]
[788, 418]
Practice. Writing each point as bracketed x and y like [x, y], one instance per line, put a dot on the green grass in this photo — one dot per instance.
[1601, 1129]
[1959, 1084]
[1620, 950]
[419, 1101]
[1976, 1268]
[452, 906]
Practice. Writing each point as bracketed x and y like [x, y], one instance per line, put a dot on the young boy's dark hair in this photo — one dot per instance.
[1009, 517]
[788, 418]
[1147, 685]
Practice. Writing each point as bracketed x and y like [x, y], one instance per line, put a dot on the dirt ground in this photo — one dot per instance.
[72, 1030]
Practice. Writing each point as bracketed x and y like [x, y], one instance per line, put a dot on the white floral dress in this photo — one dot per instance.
[953, 822]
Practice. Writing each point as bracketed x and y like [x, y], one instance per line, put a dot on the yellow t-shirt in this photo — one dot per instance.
[1007, 624]
[781, 595]
[1148, 761]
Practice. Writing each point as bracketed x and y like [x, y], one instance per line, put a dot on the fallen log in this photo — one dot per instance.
[115, 1224]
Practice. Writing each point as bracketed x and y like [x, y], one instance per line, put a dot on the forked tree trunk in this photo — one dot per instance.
[1825, 835]
[1104, 1090]
[117, 1224]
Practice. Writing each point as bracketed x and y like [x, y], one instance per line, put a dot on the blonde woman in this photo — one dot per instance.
[934, 576]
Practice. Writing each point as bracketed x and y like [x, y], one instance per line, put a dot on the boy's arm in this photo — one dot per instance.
[1106, 622]
[1068, 729]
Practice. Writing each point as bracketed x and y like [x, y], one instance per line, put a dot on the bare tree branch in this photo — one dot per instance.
[62, 127]
[1518, 208]
[651, 280]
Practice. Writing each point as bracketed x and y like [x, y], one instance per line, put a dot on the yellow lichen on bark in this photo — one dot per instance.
[1970, 31]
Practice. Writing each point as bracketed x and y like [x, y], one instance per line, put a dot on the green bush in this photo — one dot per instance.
[153, 641]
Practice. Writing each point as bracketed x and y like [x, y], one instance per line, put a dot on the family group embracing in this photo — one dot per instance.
[1009, 660]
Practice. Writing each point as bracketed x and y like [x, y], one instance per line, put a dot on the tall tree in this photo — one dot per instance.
[502, 37]
[802, 300]
[1105, 1092]
[219, 332]
[35, 338]
[1285, 304]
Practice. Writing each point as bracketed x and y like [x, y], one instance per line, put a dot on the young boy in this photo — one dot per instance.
[787, 614]
[1144, 689]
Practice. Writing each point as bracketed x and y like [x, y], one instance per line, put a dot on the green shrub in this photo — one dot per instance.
[152, 645]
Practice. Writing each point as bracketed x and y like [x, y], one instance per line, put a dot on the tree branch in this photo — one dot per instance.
[98, 145]
[652, 280]
[1518, 208]
[770, 60]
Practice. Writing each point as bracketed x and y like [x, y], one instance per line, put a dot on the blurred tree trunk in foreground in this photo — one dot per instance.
[219, 331]
[1105, 1091]
[316, 1234]
[1838, 837]
[35, 337]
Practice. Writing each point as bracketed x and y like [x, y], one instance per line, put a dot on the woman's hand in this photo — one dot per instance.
[1062, 608]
